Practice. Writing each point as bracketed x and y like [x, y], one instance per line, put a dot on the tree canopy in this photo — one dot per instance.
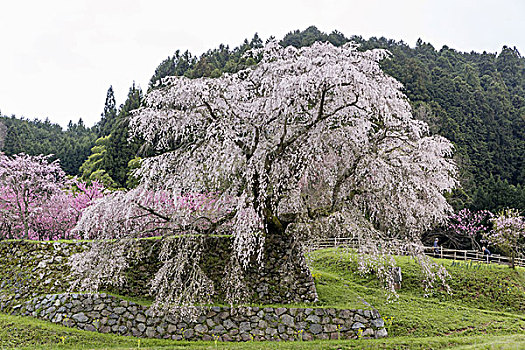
[305, 142]
[37, 201]
[35, 137]
[476, 100]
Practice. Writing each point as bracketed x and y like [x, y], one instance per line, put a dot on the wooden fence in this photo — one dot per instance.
[440, 252]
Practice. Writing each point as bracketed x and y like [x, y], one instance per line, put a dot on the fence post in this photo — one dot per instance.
[465, 252]
[441, 249]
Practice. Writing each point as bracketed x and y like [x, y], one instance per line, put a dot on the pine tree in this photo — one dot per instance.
[119, 151]
[109, 116]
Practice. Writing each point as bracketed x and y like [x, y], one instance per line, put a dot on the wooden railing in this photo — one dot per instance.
[472, 255]
[440, 252]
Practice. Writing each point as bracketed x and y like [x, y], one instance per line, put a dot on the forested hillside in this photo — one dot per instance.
[477, 100]
[101, 152]
[34, 137]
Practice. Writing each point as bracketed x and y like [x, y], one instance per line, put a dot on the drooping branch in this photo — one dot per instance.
[321, 116]
[318, 138]
[153, 212]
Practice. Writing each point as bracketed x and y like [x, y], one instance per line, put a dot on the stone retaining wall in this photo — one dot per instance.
[108, 314]
[29, 269]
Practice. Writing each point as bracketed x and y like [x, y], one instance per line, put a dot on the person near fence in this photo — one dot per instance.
[486, 252]
[436, 247]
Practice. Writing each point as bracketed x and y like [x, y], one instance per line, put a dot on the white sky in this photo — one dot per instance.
[58, 57]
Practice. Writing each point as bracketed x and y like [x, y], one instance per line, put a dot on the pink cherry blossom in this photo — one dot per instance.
[37, 201]
[310, 141]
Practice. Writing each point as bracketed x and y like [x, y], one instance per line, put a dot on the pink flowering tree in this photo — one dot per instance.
[507, 233]
[55, 218]
[37, 200]
[26, 182]
[308, 142]
[469, 226]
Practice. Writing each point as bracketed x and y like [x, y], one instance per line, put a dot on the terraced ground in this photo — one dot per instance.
[486, 310]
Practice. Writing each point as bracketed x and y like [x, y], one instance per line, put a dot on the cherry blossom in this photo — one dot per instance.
[37, 201]
[508, 230]
[470, 226]
[310, 141]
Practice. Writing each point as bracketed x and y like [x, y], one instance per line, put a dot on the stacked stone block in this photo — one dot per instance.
[108, 314]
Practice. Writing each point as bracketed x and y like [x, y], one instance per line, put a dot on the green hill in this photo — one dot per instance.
[485, 300]
[72, 146]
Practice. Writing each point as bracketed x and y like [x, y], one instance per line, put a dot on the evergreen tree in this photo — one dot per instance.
[92, 170]
[109, 115]
[119, 150]
[34, 137]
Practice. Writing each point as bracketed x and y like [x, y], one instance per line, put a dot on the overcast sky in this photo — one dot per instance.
[58, 57]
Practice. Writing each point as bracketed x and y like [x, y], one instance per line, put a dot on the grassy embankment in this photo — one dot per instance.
[485, 311]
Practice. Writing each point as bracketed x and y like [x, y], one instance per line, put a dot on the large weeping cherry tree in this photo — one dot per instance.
[309, 142]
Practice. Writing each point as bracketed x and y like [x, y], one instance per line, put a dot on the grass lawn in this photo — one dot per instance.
[485, 300]
[485, 311]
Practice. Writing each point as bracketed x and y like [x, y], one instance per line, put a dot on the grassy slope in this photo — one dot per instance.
[488, 300]
[486, 310]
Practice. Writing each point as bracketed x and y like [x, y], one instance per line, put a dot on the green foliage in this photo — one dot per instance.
[310, 35]
[35, 137]
[112, 157]
[119, 151]
[476, 100]
[3, 132]
[211, 64]
[91, 169]
[109, 116]
[132, 181]
[498, 194]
